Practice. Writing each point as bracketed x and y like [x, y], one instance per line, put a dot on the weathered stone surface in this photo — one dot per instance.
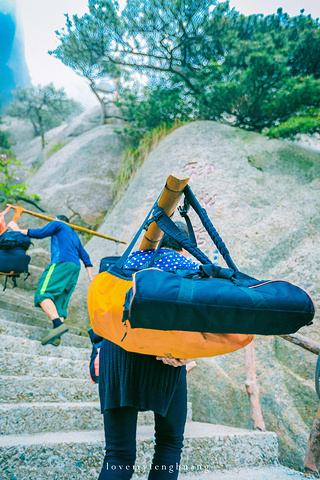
[9, 343]
[32, 389]
[266, 473]
[77, 179]
[29, 321]
[36, 417]
[39, 417]
[82, 123]
[24, 364]
[37, 333]
[263, 197]
[26, 146]
[20, 131]
[80, 454]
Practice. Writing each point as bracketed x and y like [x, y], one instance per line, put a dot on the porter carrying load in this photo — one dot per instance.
[187, 314]
[14, 259]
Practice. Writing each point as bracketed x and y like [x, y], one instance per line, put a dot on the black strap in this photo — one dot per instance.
[5, 283]
[184, 214]
[206, 222]
[155, 258]
[119, 264]
[171, 229]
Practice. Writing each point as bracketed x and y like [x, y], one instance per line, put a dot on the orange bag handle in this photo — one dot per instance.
[3, 226]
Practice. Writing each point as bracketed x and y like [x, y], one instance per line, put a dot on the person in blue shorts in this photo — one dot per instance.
[60, 277]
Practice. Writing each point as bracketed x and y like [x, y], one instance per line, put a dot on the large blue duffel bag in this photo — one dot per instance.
[163, 300]
[214, 299]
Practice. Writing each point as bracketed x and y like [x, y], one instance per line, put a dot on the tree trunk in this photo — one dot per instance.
[100, 99]
[252, 387]
[312, 458]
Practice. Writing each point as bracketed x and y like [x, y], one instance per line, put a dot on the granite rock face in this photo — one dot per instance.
[78, 178]
[263, 197]
[28, 148]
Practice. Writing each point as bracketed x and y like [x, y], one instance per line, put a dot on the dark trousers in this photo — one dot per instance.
[120, 425]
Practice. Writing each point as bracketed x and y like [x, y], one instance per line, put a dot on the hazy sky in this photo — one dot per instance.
[40, 19]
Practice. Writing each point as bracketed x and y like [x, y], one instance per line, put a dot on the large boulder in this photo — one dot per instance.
[263, 197]
[21, 132]
[77, 179]
[26, 145]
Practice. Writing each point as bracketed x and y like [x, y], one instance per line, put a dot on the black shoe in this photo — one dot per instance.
[54, 334]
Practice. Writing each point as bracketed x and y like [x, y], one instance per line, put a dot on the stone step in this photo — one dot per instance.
[37, 333]
[273, 472]
[21, 364]
[79, 455]
[31, 316]
[47, 389]
[9, 343]
[31, 418]
[17, 296]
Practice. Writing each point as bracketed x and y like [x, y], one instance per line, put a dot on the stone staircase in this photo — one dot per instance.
[50, 423]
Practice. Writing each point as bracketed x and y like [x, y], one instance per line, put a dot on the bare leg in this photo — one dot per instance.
[50, 309]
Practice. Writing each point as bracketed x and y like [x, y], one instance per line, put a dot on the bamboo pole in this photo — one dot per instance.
[20, 210]
[252, 388]
[168, 201]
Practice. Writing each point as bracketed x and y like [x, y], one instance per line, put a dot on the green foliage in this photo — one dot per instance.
[148, 109]
[4, 140]
[308, 123]
[202, 60]
[259, 82]
[55, 148]
[84, 40]
[9, 189]
[133, 158]
[45, 107]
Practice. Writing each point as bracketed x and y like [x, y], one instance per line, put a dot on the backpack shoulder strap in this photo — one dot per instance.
[169, 227]
[119, 264]
[206, 222]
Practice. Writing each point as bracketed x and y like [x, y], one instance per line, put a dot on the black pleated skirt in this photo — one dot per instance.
[129, 379]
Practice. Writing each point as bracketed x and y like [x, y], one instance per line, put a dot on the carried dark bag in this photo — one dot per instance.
[214, 299]
[13, 256]
[107, 262]
[11, 239]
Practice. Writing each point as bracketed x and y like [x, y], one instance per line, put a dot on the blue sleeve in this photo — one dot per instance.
[84, 256]
[50, 229]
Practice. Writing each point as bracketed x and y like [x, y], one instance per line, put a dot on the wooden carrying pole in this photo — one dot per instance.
[168, 201]
[20, 210]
